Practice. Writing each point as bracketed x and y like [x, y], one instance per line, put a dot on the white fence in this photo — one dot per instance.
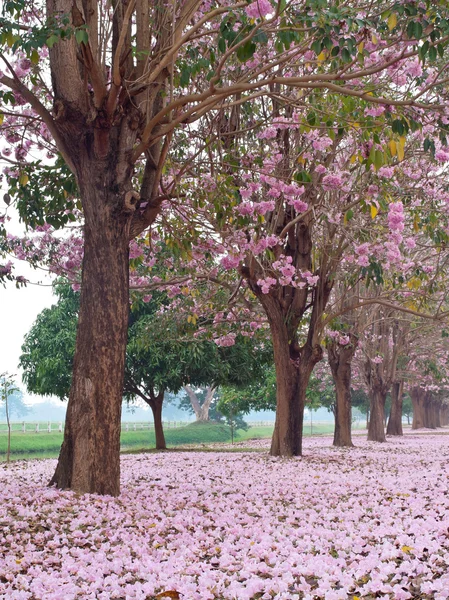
[58, 426]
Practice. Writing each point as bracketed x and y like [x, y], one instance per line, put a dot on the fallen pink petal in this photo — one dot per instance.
[371, 522]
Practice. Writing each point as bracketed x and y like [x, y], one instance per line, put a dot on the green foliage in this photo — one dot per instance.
[48, 349]
[360, 400]
[16, 405]
[44, 194]
[161, 352]
[11, 398]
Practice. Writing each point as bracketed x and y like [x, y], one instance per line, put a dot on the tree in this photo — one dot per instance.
[8, 392]
[162, 354]
[200, 403]
[124, 81]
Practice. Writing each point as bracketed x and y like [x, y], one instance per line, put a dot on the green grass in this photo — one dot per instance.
[47, 445]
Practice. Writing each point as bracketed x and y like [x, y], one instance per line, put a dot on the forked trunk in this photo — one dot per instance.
[292, 377]
[340, 358]
[89, 460]
[394, 426]
[376, 429]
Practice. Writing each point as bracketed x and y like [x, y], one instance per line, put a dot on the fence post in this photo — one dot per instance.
[135, 427]
[37, 428]
[60, 427]
[49, 427]
[127, 427]
[24, 427]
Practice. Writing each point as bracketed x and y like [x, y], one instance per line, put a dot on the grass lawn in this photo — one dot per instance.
[47, 445]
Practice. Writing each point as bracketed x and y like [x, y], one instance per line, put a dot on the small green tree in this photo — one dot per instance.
[8, 390]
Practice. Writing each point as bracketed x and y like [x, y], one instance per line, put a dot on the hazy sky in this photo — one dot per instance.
[20, 307]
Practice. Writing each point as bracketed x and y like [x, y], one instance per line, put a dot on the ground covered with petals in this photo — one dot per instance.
[370, 522]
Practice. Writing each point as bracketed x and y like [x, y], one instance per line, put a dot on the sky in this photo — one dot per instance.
[20, 307]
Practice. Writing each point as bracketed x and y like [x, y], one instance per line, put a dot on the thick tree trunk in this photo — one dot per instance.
[290, 401]
[89, 460]
[340, 358]
[376, 428]
[418, 397]
[292, 377]
[156, 407]
[394, 426]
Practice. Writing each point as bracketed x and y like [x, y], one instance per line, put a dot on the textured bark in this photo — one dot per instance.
[292, 377]
[418, 397]
[340, 359]
[394, 426]
[156, 407]
[376, 428]
[89, 457]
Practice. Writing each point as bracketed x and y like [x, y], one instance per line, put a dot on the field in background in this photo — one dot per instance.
[47, 445]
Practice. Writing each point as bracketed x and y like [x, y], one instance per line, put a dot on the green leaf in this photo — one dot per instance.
[316, 47]
[398, 127]
[51, 41]
[417, 30]
[246, 51]
[423, 50]
[185, 77]
[34, 57]
[346, 55]
[81, 36]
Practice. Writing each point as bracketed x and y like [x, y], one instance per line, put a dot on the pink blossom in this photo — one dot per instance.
[387, 172]
[442, 155]
[258, 9]
[322, 143]
[363, 260]
[226, 340]
[299, 205]
[230, 262]
[266, 283]
[332, 182]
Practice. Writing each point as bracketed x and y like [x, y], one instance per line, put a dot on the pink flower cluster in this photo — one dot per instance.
[370, 522]
[258, 9]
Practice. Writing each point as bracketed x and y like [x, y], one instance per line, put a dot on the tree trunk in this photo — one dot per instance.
[429, 408]
[89, 460]
[201, 411]
[204, 412]
[418, 395]
[340, 358]
[290, 401]
[394, 426]
[444, 415]
[376, 429]
[156, 407]
[194, 402]
[292, 377]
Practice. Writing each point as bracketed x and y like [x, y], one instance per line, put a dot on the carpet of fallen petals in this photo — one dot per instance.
[337, 524]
